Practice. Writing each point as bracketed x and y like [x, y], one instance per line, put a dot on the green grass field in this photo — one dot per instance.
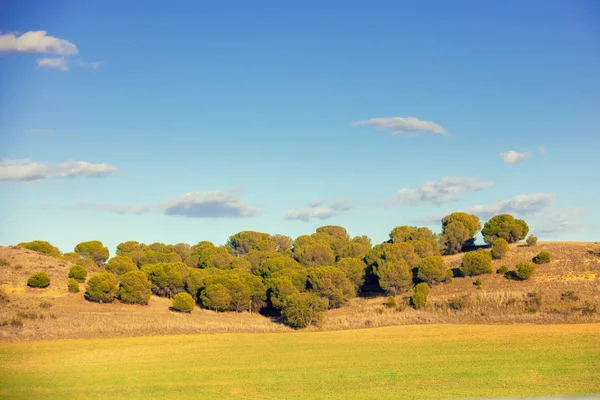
[407, 362]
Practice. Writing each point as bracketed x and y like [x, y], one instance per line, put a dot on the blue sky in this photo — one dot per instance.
[187, 121]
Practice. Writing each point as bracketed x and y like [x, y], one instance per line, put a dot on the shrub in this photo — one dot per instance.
[4, 262]
[304, 309]
[532, 240]
[476, 263]
[499, 248]
[18, 267]
[183, 302]
[135, 288]
[422, 288]
[587, 308]
[524, 270]
[391, 302]
[432, 269]
[102, 287]
[41, 246]
[45, 304]
[542, 258]
[121, 265]
[569, 295]
[533, 302]
[459, 302]
[16, 322]
[78, 273]
[478, 283]
[39, 280]
[73, 285]
[418, 300]
[502, 270]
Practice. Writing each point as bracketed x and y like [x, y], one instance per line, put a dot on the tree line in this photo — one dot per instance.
[295, 279]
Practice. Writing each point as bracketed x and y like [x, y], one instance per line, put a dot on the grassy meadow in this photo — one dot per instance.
[403, 362]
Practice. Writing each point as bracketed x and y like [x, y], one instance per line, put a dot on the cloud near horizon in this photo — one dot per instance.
[523, 204]
[36, 42]
[513, 157]
[320, 210]
[408, 126]
[446, 190]
[27, 170]
[60, 63]
[214, 204]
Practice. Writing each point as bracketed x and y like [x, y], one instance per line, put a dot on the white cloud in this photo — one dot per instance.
[513, 157]
[523, 204]
[320, 210]
[543, 150]
[115, 208]
[27, 170]
[446, 190]
[403, 126]
[216, 204]
[60, 63]
[36, 42]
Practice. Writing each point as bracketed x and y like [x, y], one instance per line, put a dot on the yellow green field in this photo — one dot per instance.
[406, 362]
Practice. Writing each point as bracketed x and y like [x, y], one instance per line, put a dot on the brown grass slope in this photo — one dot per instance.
[53, 312]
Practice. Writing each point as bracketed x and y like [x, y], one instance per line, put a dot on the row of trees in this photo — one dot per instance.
[297, 279]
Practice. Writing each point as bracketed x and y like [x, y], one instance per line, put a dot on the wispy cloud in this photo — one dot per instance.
[446, 190]
[91, 65]
[523, 204]
[43, 131]
[513, 157]
[215, 204]
[27, 170]
[320, 209]
[543, 150]
[114, 208]
[403, 126]
[36, 42]
[60, 63]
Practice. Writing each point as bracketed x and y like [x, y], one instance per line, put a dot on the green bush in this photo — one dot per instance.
[419, 300]
[78, 273]
[41, 246]
[478, 283]
[135, 288]
[502, 270]
[39, 280]
[121, 265]
[183, 302]
[391, 302]
[499, 248]
[73, 285]
[422, 288]
[102, 287]
[476, 263]
[432, 269]
[304, 309]
[532, 240]
[542, 258]
[524, 270]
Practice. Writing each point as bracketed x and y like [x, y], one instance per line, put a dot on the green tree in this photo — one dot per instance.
[216, 297]
[76, 259]
[524, 270]
[282, 243]
[102, 287]
[459, 230]
[358, 247]
[279, 289]
[425, 242]
[41, 247]
[211, 256]
[419, 298]
[183, 302]
[433, 269]
[121, 265]
[476, 263]
[304, 309]
[332, 284]
[39, 280]
[354, 269]
[93, 249]
[154, 257]
[499, 248]
[242, 242]
[532, 240]
[392, 263]
[78, 273]
[314, 250]
[126, 248]
[505, 226]
[135, 288]
[258, 292]
[166, 278]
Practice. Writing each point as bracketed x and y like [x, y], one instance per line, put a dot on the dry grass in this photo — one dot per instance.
[66, 315]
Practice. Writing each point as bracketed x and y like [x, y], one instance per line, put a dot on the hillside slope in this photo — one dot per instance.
[55, 313]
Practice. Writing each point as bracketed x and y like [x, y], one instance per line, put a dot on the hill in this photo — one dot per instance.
[566, 290]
